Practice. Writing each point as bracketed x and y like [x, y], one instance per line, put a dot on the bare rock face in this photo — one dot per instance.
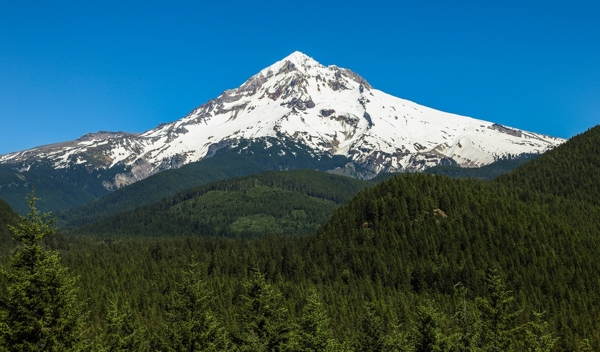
[326, 109]
[510, 131]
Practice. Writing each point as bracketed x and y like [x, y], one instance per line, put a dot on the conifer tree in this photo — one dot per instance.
[264, 324]
[429, 336]
[584, 346]
[191, 326]
[41, 310]
[315, 333]
[498, 315]
[123, 332]
[468, 323]
[537, 338]
[371, 337]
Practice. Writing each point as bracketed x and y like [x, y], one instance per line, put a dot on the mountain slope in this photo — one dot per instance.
[324, 110]
[224, 164]
[58, 189]
[7, 217]
[486, 172]
[282, 202]
[570, 171]
[422, 234]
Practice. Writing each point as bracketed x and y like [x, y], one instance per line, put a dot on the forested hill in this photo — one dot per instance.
[156, 187]
[538, 224]
[275, 202]
[571, 170]
[245, 159]
[7, 217]
[423, 234]
[486, 172]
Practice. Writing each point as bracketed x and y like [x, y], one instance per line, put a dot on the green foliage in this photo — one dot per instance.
[486, 172]
[282, 202]
[315, 332]
[371, 337]
[7, 218]
[265, 325]
[570, 170]
[537, 335]
[468, 323]
[498, 315]
[191, 326]
[429, 335]
[123, 331]
[158, 186]
[41, 310]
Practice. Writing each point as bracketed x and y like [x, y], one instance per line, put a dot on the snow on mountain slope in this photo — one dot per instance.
[328, 110]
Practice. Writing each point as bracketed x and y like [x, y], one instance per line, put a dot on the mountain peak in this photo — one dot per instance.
[326, 110]
[298, 57]
[296, 61]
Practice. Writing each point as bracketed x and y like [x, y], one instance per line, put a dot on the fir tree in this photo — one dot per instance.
[315, 333]
[371, 337]
[537, 338]
[498, 315]
[265, 327]
[41, 310]
[191, 326]
[468, 322]
[429, 336]
[123, 332]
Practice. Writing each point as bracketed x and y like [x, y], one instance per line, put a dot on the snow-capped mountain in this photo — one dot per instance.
[326, 110]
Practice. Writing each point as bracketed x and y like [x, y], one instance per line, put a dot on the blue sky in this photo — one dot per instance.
[72, 67]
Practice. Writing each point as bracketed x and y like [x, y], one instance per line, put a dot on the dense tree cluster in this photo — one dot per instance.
[293, 202]
[417, 263]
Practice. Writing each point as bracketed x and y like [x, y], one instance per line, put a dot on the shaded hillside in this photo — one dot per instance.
[244, 159]
[277, 202]
[571, 170]
[58, 190]
[423, 234]
[7, 217]
[487, 172]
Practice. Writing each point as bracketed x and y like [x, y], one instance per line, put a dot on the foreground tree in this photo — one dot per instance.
[265, 325]
[123, 332]
[191, 326]
[315, 332]
[40, 310]
[498, 315]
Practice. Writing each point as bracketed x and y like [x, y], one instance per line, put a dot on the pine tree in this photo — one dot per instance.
[41, 310]
[264, 324]
[498, 315]
[371, 337]
[191, 326]
[429, 336]
[123, 332]
[315, 333]
[537, 338]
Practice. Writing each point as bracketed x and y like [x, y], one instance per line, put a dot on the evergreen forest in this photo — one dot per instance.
[307, 261]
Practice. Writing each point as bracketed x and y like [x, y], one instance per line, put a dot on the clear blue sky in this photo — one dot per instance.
[72, 67]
